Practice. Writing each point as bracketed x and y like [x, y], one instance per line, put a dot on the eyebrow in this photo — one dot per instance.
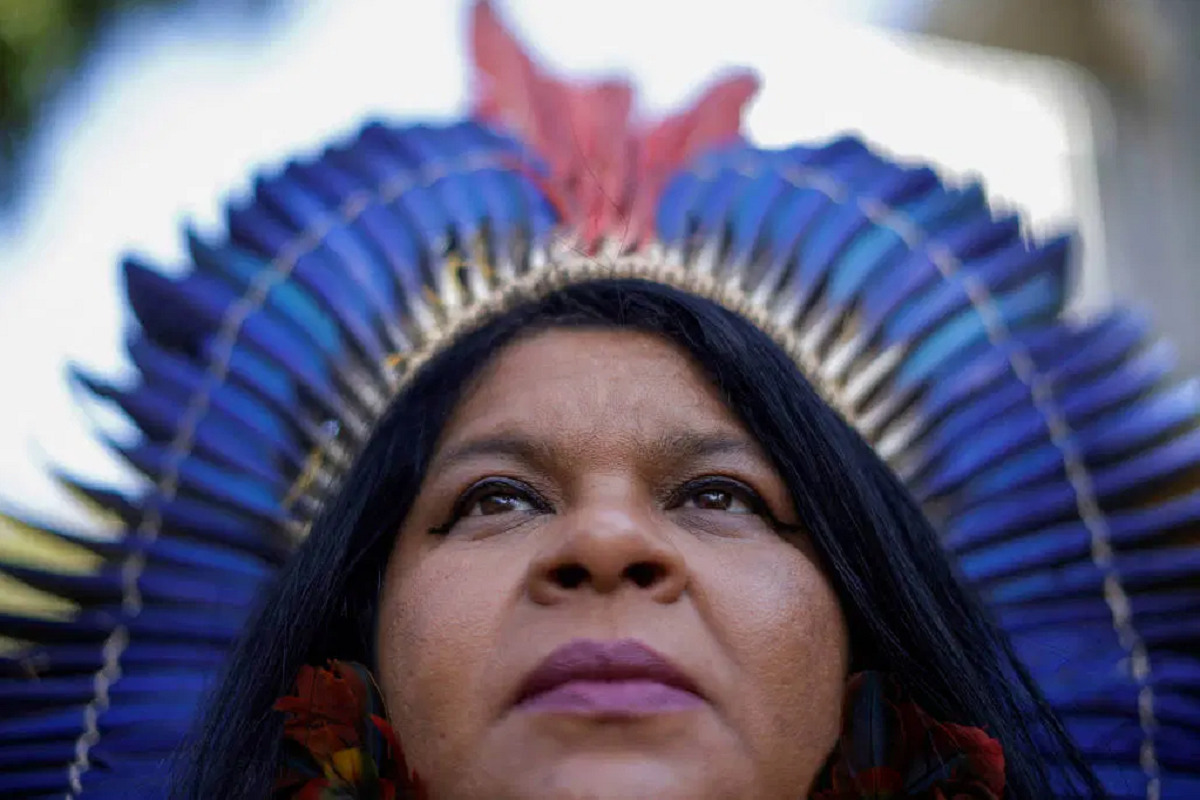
[695, 445]
[683, 445]
[516, 446]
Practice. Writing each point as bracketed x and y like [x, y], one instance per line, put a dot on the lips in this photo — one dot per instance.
[616, 678]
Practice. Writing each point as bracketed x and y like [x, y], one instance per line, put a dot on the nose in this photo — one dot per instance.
[604, 551]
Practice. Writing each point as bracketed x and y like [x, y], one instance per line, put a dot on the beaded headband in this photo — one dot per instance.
[474, 291]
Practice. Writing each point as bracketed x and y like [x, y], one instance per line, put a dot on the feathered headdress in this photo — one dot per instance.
[1059, 461]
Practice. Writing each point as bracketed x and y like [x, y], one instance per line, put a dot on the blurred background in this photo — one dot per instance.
[123, 120]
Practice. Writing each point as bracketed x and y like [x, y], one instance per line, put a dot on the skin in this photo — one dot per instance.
[607, 536]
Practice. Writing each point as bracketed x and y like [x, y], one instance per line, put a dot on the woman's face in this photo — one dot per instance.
[595, 596]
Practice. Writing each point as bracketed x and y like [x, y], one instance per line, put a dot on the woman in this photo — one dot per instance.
[592, 438]
[531, 496]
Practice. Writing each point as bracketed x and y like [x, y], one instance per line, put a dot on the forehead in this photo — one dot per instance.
[591, 382]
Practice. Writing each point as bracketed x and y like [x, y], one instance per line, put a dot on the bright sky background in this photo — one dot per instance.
[179, 108]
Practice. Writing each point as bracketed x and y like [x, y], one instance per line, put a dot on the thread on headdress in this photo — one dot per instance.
[605, 170]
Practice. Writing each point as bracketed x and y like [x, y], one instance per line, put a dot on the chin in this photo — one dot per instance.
[604, 776]
[684, 756]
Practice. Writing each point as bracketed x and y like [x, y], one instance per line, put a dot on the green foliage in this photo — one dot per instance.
[42, 44]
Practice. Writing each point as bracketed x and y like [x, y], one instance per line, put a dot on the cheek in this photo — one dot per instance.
[438, 625]
[780, 622]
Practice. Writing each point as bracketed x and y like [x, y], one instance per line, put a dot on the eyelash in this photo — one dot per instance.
[501, 486]
[737, 489]
[740, 491]
[483, 489]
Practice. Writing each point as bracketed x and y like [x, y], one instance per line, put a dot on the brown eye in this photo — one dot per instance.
[498, 502]
[492, 497]
[730, 498]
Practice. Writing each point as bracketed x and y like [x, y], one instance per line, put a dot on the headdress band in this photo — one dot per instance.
[475, 291]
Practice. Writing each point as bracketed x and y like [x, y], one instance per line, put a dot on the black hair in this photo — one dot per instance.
[907, 612]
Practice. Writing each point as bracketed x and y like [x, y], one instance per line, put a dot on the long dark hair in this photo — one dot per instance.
[907, 613]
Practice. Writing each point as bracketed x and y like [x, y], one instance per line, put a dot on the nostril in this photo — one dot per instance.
[644, 574]
[570, 576]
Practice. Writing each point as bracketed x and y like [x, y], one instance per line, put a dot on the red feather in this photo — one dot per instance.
[605, 171]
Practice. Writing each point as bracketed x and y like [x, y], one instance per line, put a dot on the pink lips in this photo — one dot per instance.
[620, 678]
